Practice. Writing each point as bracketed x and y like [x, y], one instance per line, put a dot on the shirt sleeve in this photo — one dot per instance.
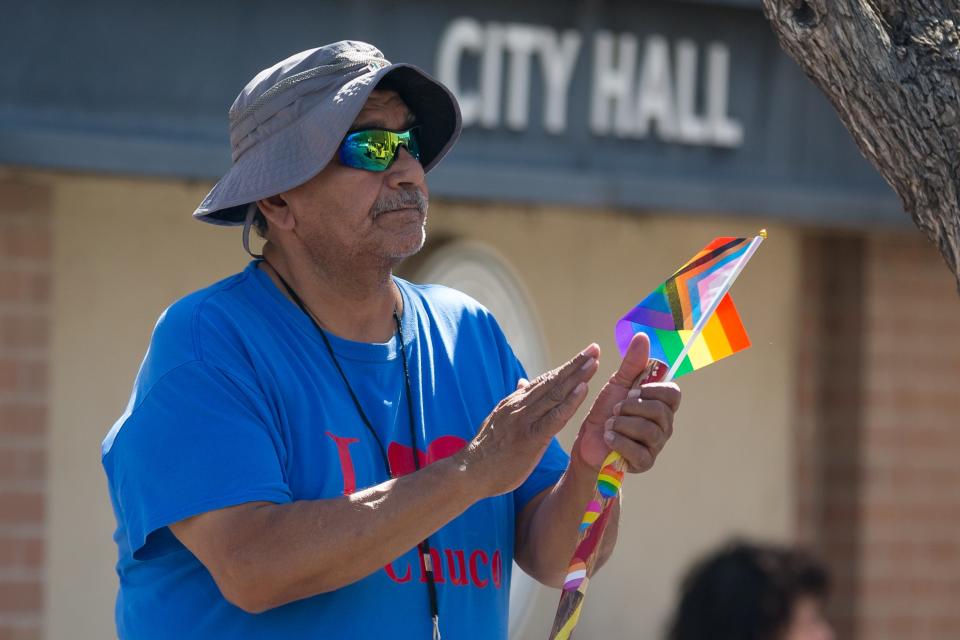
[198, 440]
[546, 474]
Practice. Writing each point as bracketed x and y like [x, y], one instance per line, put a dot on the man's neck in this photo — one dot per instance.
[354, 304]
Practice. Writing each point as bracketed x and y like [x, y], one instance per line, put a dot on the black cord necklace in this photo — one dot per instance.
[426, 558]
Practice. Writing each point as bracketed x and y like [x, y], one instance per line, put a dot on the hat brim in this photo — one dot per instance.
[299, 151]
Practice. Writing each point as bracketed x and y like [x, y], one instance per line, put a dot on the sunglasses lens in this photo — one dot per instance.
[413, 143]
[375, 149]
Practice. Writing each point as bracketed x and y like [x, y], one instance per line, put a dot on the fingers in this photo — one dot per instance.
[640, 430]
[553, 387]
[639, 455]
[634, 361]
[550, 423]
[656, 401]
[666, 392]
[642, 424]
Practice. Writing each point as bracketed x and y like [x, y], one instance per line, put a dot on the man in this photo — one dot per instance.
[315, 448]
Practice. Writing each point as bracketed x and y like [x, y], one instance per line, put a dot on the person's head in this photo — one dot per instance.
[330, 150]
[357, 215]
[753, 592]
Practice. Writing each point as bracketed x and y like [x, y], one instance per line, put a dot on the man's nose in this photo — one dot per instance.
[406, 171]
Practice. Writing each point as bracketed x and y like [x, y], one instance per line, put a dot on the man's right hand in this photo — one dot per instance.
[514, 436]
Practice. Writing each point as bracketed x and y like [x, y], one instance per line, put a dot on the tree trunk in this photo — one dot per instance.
[891, 68]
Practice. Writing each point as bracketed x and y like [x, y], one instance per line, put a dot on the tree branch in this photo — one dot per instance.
[891, 68]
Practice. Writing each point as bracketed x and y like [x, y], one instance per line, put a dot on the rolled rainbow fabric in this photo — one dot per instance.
[609, 481]
[575, 575]
[591, 514]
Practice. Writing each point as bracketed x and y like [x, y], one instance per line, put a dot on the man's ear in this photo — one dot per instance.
[277, 212]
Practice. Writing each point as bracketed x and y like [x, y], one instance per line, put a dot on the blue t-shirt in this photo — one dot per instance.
[237, 400]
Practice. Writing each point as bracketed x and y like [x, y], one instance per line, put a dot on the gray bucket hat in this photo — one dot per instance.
[287, 123]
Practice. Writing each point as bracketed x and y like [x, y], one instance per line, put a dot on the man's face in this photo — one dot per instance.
[359, 216]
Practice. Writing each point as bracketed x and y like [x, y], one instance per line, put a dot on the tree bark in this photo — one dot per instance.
[891, 68]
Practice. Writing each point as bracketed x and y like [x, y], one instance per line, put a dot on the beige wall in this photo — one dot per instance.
[124, 249]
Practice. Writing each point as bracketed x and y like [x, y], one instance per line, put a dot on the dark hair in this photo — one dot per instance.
[745, 592]
[260, 224]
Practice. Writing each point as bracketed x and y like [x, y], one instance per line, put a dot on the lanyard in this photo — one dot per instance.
[426, 558]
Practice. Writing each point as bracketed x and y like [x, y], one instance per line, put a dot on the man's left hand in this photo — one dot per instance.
[636, 423]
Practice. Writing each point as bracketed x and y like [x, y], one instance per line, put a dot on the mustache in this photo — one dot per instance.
[412, 199]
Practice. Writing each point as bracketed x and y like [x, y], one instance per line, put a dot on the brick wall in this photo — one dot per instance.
[25, 256]
[879, 433]
[911, 447]
[829, 433]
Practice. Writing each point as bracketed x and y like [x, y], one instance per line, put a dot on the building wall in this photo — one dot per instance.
[25, 250]
[125, 248]
[877, 437]
[910, 507]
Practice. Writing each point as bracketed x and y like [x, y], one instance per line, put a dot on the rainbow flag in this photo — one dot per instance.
[669, 314]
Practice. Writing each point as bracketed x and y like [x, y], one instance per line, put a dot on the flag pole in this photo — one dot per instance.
[607, 490]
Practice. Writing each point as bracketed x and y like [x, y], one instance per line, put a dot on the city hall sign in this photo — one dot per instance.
[637, 89]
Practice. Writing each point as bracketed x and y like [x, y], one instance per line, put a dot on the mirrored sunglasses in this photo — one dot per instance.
[376, 149]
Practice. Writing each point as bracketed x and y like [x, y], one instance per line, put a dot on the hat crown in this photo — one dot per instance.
[337, 59]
